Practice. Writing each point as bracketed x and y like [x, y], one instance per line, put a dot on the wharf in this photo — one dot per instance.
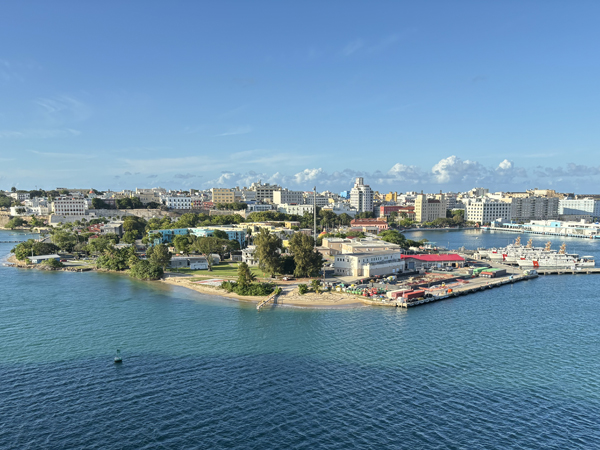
[581, 271]
[465, 290]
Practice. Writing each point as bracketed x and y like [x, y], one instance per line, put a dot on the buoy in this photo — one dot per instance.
[118, 358]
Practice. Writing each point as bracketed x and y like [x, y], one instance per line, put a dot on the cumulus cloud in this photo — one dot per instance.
[453, 169]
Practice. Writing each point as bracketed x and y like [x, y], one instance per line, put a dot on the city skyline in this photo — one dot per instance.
[409, 97]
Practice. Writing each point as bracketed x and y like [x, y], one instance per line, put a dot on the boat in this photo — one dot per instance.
[118, 358]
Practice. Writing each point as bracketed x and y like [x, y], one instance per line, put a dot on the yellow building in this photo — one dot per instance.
[391, 197]
[222, 195]
[429, 209]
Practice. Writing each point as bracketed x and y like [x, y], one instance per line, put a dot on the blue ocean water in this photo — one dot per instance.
[515, 367]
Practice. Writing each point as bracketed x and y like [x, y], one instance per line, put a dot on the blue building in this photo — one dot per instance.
[345, 194]
[167, 236]
[232, 234]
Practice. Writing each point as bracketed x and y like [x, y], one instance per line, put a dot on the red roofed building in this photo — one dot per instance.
[418, 262]
[386, 210]
[370, 224]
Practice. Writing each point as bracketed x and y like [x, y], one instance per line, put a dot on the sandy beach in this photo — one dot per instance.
[291, 298]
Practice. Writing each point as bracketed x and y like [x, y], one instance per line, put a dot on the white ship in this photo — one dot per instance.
[560, 260]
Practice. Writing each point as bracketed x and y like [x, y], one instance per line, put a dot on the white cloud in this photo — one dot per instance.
[239, 130]
[353, 47]
[453, 169]
[39, 134]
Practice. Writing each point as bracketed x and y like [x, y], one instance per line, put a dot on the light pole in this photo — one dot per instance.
[315, 215]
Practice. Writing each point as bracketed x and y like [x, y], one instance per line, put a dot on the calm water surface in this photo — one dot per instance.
[515, 367]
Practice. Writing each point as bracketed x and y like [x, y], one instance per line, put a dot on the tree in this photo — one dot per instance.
[13, 189]
[5, 201]
[220, 234]
[245, 276]
[287, 266]
[116, 259]
[308, 261]
[129, 237]
[268, 248]
[52, 263]
[345, 219]
[315, 284]
[134, 223]
[184, 242]
[145, 270]
[102, 243]
[365, 215]
[209, 245]
[31, 247]
[392, 236]
[159, 255]
[98, 203]
[64, 240]
[302, 289]
[14, 223]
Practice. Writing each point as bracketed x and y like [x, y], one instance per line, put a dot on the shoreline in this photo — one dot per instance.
[286, 298]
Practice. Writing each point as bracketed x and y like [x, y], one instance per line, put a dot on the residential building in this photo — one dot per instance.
[222, 195]
[285, 196]
[69, 206]
[264, 192]
[299, 210]
[361, 196]
[112, 228]
[579, 207]
[485, 210]
[370, 224]
[369, 264]
[534, 207]
[248, 255]
[391, 197]
[341, 208]
[258, 207]
[19, 196]
[478, 192]
[178, 202]
[188, 262]
[428, 209]
[233, 233]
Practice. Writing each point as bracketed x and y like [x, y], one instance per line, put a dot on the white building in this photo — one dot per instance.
[579, 207]
[264, 191]
[69, 206]
[288, 197]
[428, 209]
[178, 202]
[369, 263]
[321, 200]
[19, 196]
[341, 208]
[295, 209]
[248, 255]
[361, 196]
[258, 207]
[484, 210]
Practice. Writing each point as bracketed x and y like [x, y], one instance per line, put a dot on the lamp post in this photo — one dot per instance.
[315, 216]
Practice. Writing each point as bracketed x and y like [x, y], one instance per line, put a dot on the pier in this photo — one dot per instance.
[270, 298]
[465, 290]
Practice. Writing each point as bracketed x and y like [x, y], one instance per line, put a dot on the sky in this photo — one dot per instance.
[435, 95]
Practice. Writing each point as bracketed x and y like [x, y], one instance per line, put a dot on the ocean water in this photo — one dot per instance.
[515, 367]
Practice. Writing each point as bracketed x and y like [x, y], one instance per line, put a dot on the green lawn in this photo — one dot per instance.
[223, 270]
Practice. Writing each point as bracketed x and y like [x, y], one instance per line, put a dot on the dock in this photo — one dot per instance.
[581, 271]
[269, 299]
[465, 290]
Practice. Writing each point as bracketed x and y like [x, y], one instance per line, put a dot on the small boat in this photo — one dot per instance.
[118, 358]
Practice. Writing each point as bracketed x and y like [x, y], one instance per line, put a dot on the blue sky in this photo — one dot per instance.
[410, 95]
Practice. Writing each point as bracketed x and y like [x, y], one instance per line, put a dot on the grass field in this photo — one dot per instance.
[223, 270]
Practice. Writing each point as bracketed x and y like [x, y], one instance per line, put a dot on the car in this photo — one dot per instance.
[63, 260]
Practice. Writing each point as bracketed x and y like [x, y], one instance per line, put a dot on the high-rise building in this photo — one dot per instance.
[429, 209]
[361, 196]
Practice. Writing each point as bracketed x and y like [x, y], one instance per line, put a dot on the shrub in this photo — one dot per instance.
[302, 289]
[253, 289]
[52, 263]
[145, 270]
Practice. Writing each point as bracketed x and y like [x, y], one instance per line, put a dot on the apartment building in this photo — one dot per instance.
[361, 196]
[222, 195]
[533, 207]
[485, 210]
[69, 206]
[579, 207]
[264, 192]
[428, 209]
[177, 202]
[299, 210]
[285, 196]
